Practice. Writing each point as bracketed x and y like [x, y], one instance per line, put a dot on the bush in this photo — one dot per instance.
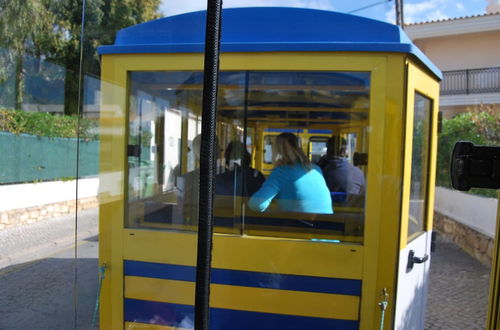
[481, 127]
[46, 124]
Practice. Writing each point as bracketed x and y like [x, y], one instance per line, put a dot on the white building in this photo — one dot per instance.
[467, 50]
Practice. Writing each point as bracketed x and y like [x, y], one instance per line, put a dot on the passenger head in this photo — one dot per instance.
[336, 146]
[196, 147]
[288, 151]
[236, 154]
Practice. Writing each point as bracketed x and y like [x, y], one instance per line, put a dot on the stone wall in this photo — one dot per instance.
[22, 216]
[28, 203]
[471, 241]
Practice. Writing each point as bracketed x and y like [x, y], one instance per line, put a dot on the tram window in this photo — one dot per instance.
[164, 147]
[268, 148]
[308, 103]
[317, 148]
[163, 161]
[351, 139]
[419, 165]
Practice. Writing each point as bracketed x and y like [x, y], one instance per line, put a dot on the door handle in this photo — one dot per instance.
[412, 260]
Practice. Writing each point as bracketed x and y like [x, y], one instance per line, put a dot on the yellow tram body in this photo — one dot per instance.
[362, 251]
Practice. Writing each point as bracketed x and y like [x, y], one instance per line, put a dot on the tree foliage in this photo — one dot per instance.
[481, 127]
[46, 124]
[103, 18]
[26, 27]
[51, 30]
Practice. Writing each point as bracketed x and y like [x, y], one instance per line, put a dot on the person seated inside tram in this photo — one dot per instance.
[295, 183]
[340, 175]
[238, 179]
[188, 183]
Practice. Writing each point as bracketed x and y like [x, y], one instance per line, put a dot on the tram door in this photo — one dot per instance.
[417, 208]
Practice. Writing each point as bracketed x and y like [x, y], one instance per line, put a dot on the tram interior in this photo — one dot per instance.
[253, 108]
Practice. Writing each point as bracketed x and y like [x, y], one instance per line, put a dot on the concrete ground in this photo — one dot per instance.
[43, 286]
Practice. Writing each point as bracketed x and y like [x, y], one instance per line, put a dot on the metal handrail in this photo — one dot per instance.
[471, 81]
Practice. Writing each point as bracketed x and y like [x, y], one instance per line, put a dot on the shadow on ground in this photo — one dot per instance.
[53, 293]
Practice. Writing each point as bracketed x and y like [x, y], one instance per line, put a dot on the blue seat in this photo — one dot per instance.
[338, 197]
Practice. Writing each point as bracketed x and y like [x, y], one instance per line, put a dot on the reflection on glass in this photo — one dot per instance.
[38, 170]
[419, 165]
[325, 112]
[164, 145]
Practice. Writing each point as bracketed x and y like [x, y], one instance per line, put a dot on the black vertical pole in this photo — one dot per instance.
[207, 164]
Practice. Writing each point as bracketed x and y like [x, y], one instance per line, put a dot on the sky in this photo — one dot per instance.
[414, 10]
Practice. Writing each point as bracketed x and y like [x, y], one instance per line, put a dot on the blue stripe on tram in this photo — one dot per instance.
[246, 278]
[176, 315]
[284, 130]
[286, 282]
[320, 131]
[163, 271]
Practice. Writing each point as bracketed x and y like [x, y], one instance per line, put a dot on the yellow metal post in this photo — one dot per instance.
[493, 306]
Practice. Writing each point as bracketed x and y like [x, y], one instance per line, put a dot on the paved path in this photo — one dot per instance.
[38, 273]
[30, 242]
[458, 290]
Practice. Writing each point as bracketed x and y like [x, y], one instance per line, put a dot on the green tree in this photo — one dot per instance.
[26, 27]
[103, 18]
[119, 14]
[51, 30]
[68, 14]
[480, 126]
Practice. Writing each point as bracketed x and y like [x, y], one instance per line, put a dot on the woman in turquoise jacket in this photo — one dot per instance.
[295, 183]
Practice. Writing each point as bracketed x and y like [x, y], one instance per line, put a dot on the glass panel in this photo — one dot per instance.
[39, 60]
[236, 152]
[164, 147]
[300, 115]
[317, 148]
[419, 165]
[254, 110]
[352, 143]
[268, 148]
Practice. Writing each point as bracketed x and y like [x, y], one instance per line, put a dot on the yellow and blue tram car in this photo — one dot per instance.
[315, 73]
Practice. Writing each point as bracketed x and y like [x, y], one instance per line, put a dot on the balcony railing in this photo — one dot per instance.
[473, 81]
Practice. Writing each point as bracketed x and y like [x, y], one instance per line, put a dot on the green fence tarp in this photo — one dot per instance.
[28, 158]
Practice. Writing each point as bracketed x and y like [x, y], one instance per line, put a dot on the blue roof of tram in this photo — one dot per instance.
[267, 29]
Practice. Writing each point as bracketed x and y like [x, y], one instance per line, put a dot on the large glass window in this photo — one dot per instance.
[419, 165]
[259, 190]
